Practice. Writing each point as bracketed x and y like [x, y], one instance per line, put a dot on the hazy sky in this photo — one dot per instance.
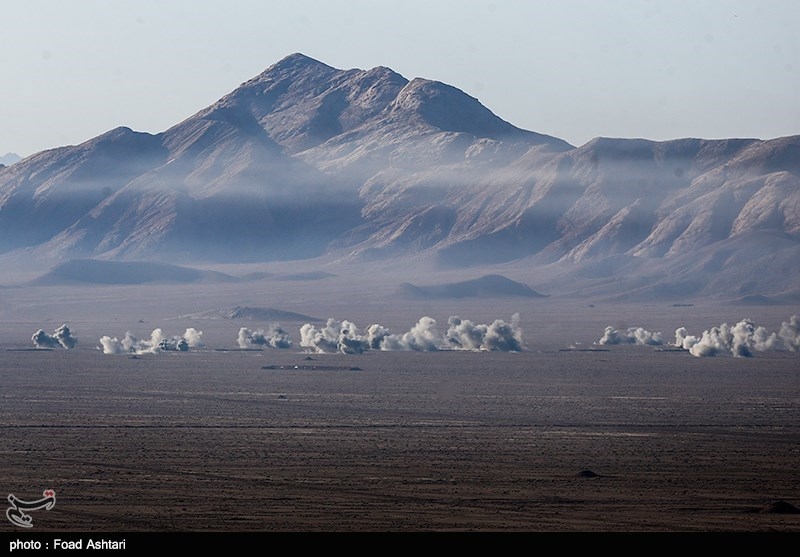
[574, 69]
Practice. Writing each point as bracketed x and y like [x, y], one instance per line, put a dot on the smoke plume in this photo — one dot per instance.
[634, 335]
[740, 340]
[62, 336]
[499, 336]
[157, 342]
[345, 337]
[275, 337]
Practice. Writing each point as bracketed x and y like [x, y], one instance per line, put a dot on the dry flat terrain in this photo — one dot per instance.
[560, 437]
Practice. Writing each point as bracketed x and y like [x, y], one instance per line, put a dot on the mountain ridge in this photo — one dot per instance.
[306, 160]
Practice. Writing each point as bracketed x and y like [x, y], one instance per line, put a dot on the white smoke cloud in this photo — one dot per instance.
[633, 335]
[422, 337]
[346, 338]
[499, 336]
[376, 334]
[157, 342]
[789, 334]
[740, 340]
[335, 336]
[683, 339]
[193, 338]
[62, 336]
[275, 337]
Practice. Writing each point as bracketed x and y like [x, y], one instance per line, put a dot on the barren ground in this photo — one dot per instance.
[565, 436]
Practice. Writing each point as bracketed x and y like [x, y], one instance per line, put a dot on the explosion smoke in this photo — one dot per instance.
[499, 336]
[634, 335]
[275, 337]
[346, 338]
[741, 339]
[158, 342]
[62, 336]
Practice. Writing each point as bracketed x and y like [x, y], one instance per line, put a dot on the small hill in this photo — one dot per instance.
[312, 275]
[91, 271]
[249, 313]
[485, 286]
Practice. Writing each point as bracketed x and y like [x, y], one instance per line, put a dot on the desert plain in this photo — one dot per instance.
[566, 435]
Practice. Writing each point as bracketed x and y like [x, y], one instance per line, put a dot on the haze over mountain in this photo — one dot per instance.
[306, 161]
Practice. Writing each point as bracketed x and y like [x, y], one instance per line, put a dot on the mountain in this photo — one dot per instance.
[306, 161]
[9, 158]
